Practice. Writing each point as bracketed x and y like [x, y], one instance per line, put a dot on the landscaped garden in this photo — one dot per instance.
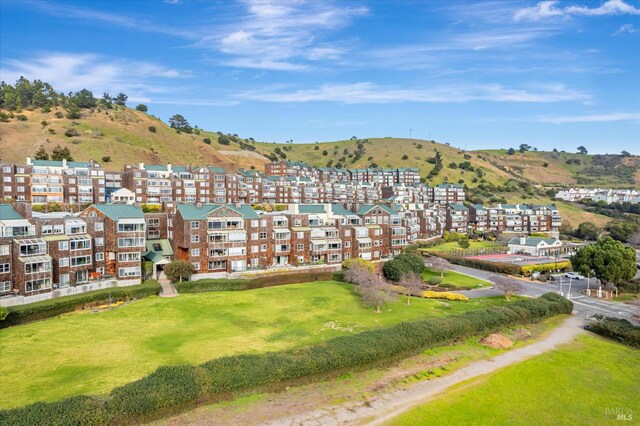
[590, 381]
[91, 353]
[453, 245]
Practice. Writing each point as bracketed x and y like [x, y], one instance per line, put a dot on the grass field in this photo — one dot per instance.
[473, 245]
[94, 352]
[579, 383]
[455, 279]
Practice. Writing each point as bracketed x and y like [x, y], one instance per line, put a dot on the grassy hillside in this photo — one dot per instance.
[122, 134]
[125, 136]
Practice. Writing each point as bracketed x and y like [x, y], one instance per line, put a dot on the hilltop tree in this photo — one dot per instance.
[41, 154]
[106, 100]
[73, 112]
[120, 99]
[511, 151]
[59, 154]
[582, 150]
[608, 260]
[622, 230]
[142, 108]
[178, 122]
[524, 148]
[83, 99]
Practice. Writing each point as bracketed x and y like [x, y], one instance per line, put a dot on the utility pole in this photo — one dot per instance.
[569, 292]
[561, 286]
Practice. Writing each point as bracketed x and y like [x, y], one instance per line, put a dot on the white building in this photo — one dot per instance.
[534, 246]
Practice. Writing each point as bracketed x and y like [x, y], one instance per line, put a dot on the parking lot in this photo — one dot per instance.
[516, 259]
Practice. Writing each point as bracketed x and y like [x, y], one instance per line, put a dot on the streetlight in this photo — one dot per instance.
[560, 286]
[569, 292]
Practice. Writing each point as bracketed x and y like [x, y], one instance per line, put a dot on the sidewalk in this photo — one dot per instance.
[385, 407]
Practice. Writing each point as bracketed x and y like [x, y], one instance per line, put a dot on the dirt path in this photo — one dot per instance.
[387, 406]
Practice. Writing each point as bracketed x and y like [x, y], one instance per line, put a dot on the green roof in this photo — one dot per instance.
[532, 241]
[8, 213]
[162, 247]
[120, 211]
[478, 206]
[51, 163]
[460, 207]
[311, 208]
[180, 169]
[216, 169]
[156, 167]
[153, 256]
[194, 212]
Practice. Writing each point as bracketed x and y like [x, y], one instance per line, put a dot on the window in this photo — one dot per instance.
[64, 280]
[130, 227]
[63, 245]
[63, 261]
[4, 267]
[58, 229]
[263, 235]
[255, 223]
[195, 252]
[129, 257]
[99, 242]
[195, 224]
[99, 257]
[4, 250]
[347, 244]
[300, 247]
[99, 226]
[196, 266]
[80, 244]
[263, 247]
[300, 235]
[217, 264]
[195, 238]
[81, 261]
[254, 236]
[155, 222]
[133, 271]
[254, 249]
[5, 286]
[38, 284]
[47, 230]
[130, 242]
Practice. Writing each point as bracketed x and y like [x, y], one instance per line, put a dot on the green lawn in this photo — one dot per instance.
[580, 383]
[473, 245]
[454, 279]
[86, 352]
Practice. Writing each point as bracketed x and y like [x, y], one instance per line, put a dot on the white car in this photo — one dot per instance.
[574, 276]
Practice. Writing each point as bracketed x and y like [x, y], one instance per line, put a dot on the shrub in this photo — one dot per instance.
[207, 141]
[106, 158]
[71, 133]
[59, 114]
[620, 330]
[152, 129]
[173, 388]
[21, 117]
[545, 267]
[435, 281]
[53, 307]
[403, 263]
[502, 268]
[224, 140]
[444, 295]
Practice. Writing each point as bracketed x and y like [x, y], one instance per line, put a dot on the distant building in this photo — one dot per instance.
[535, 246]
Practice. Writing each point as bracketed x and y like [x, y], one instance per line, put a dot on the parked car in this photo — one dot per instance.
[574, 276]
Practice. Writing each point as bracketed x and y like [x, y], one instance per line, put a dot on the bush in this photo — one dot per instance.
[403, 263]
[173, 388]
[444, 295]
[21, 117]
[106, 158]
[435, 281]
[152, 129]
[619, 330]
[59, 114]
[71, 133]
[53, 307]
[207, 141]
[545, 267]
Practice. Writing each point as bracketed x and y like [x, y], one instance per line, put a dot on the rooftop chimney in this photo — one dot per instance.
[141, 166]
[29, 162]
[523, 240]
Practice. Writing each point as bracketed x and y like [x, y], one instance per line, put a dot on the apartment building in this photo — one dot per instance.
[530, 217]
[288, 168]
[457, 218]
[124, 238]
[487, 219]
[15, 182]
[448, 193]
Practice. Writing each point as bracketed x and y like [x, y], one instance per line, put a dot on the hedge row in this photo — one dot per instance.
[502, 268]
[60, 305]
[171, 389]
[545, 267]
[202, 286]
[620, 330]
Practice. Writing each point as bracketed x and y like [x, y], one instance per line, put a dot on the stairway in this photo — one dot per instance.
[168, 290]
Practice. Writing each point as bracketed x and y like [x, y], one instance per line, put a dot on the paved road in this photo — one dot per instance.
[382, 408]
[584, 306]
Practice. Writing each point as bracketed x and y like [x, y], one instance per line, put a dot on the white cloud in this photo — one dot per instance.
[71, 72]
[616, 116]
[282, 35]
[626, 28]
[366, 92]
[549, 9]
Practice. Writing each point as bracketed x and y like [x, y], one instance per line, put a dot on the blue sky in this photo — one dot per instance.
[475, 74]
